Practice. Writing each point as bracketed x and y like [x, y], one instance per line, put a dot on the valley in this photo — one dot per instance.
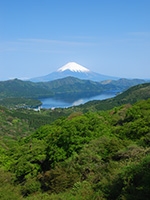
[69, 101]
[69, 88]
[77, 146]
[81, 152]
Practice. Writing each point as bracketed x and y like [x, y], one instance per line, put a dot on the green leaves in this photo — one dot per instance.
[133, 182]
[97, 155]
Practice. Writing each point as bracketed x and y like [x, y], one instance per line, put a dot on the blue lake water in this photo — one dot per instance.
[60, 103]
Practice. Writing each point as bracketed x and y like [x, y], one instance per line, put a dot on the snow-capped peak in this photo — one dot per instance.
[74, 67]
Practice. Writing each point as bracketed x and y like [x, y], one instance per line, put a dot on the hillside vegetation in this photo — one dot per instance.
[132, 95]
[72, 154]
[16, 93]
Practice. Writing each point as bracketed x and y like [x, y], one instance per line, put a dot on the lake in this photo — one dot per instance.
[61, 103]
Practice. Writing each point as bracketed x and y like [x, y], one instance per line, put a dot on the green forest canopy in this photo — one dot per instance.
[92, 155]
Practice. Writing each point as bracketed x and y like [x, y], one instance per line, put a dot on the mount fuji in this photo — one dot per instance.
[75, 70]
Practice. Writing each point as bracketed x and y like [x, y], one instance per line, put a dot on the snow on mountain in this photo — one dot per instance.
[74, 67]
[75, 70]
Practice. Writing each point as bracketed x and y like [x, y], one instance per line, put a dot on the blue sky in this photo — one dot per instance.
[111, 37]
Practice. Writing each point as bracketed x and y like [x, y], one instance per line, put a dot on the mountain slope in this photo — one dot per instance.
[69, 88]
[101, 155]
[28, 89]
[74, 67]
[75, 70]
[130, 96]
[19, 88]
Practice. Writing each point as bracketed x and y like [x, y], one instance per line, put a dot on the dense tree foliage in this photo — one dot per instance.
[20, 103]
[69, 154]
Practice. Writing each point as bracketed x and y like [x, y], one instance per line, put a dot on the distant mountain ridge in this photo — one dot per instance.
[65, 87]
[75, 70]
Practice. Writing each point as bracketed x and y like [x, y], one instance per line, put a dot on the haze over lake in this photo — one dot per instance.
[65, 103]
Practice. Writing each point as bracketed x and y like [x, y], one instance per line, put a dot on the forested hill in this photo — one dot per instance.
[100, 150]
[17, 89]
[18, 93]
[70, 85]
[130, 96]
[96, 155]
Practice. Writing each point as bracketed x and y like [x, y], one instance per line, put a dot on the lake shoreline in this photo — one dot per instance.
[56, 102]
